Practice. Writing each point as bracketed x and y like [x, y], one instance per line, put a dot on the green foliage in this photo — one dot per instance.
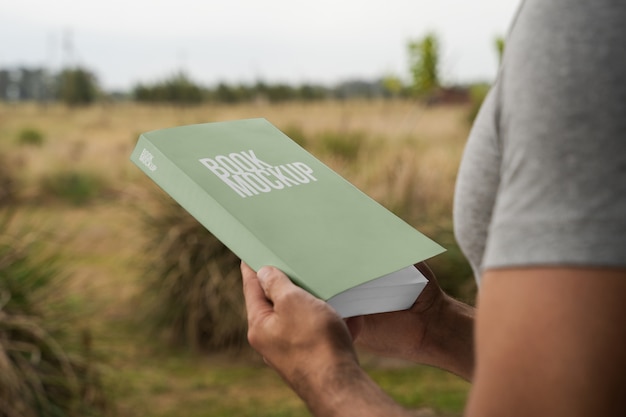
[38, 376]
[393, 85]
[77, 87]
[231, 94]
[20, 277]
[499, 44]
[478, 93]
[179, 89]
[30, 136]
[310, 92]
[419, 387]
[194, 281]
[280, 93]
[424, 64]
[73, 186]
[274, 93]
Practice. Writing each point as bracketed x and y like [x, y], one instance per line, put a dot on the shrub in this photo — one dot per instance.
[73, 186]
[178, 89]
[194, 281]
[77, 87]
[8, 193]
[296, 134]
[478, 93]
[30, 136]
[345, 145]
[38, 376]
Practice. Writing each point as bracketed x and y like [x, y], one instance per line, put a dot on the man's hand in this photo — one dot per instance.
[310, 346]
[297, 334]
[437, 330]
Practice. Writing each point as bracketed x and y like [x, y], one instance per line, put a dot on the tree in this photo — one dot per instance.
[392, 85]
[226, 94]
[178, 89]
[310, 92]
[499, 43]
[424, 64]
[77, 86]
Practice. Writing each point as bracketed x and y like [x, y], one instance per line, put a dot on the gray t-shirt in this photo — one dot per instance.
[543, 177]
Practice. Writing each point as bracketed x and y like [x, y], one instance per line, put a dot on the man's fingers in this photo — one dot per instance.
[273, 281]
[281, 291]
[257, 304]
[269, 290]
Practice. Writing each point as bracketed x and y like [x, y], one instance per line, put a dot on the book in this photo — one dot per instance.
[273, 203]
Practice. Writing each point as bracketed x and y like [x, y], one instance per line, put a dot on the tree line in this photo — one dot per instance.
[180, 89]
[79, 86]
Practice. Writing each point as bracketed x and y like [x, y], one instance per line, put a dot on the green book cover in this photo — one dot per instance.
[273, 203]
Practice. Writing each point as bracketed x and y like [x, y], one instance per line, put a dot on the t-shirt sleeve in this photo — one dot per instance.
[562, 130]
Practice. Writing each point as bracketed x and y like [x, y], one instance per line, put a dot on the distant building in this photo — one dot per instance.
[26, 84]
[359, 89]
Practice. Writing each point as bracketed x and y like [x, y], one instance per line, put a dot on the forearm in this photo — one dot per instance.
[448, 342]
[345, 390]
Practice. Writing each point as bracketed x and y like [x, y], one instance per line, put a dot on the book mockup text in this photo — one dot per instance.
[248, 175]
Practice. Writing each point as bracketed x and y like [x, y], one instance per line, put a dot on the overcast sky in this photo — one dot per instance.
[322, 41]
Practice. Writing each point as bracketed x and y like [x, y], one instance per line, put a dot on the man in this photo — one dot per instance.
[540, 212]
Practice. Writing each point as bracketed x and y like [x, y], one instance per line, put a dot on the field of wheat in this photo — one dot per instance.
[68, 185]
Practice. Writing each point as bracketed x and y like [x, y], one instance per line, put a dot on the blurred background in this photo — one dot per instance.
[113, 301]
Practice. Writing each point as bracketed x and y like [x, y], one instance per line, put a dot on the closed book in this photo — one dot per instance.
[273, 203]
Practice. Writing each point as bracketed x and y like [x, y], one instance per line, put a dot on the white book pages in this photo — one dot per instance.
[392, 292]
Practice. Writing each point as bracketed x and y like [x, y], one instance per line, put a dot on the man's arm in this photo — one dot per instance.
[309, 345]
[550, 342]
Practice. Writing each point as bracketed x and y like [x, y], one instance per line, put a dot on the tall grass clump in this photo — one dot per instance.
[345, 145]
[39, 376]
[8, 194]
[30, 136]
[194, 281]
[71, 185]
[296, 134]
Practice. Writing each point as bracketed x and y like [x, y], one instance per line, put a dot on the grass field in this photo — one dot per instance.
[97, 231]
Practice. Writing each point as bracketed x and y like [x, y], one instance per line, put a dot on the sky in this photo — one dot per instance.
[125, 42]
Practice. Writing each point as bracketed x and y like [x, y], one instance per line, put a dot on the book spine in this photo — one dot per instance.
[204, 208]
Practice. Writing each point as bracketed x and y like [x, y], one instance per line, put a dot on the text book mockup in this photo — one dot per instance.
[273, 203]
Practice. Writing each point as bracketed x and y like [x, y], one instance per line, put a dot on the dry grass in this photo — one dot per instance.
[409, 164]
[43, 373]
[97, 134]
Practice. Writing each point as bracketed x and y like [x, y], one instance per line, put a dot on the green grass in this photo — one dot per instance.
[193, 386]
[423, 387]
[73, 186]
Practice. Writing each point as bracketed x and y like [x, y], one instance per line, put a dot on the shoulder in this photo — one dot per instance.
[562, 190]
